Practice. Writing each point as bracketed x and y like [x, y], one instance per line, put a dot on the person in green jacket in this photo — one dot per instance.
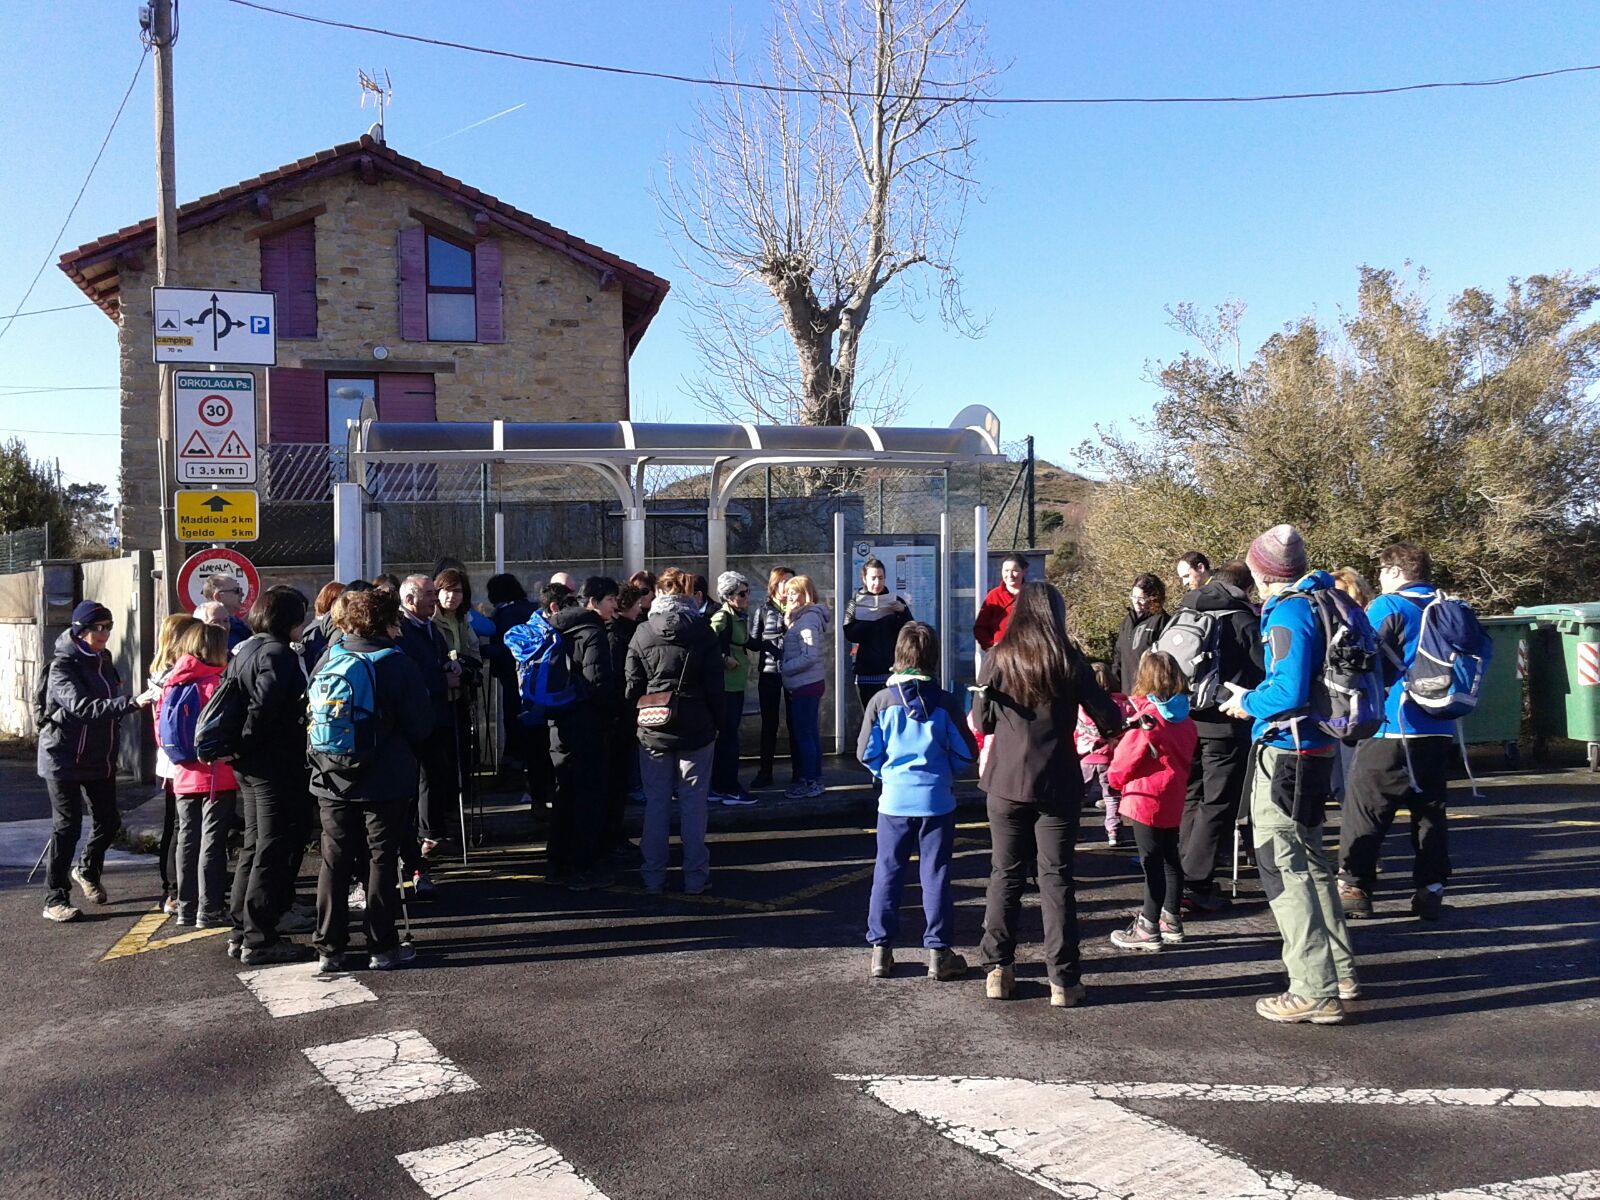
[730, 621]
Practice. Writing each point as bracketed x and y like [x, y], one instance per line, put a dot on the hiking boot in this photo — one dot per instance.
[1067, 995]
[402, 955]
[169, 903]
[1426, 903]
[60, 911]
[1205, 902]
[1141, 934]
[92, 891]
[283, 951]
[740, 799]
[330, 964]
[882, 962]
[1000, 983]
[235, 945]
[815, 788]
[1349, 988]
[797, 791]
[944, 964]
[1357, 904]
[185, 920]
[213, 920]
[1290, 1009]
[1171, 928]
[292, 922]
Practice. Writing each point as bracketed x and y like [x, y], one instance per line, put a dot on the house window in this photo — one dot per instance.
[452, 303]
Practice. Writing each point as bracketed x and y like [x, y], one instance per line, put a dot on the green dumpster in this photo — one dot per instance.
[1498, 717]
[1564, 673]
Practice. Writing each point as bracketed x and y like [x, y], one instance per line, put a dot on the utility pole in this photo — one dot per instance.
[161, 31]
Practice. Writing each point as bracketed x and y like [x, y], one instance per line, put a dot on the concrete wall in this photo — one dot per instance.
[563, 358]
[123, 585]
[19, 665]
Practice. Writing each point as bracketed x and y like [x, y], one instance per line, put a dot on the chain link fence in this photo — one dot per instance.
[22, 548]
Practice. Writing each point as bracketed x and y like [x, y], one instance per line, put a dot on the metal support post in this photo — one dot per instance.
[980, 572]
[946, 642]
[842, 585]
[499, 540]
[348, 522]
[716, 540]
[374, 543]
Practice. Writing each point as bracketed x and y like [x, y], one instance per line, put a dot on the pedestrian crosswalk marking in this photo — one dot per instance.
[141, 938]
[1077, 1139]
[388, 1069]
[514, 1164]
[299, 988]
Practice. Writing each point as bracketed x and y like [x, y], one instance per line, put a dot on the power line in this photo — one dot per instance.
[39, 312]
[104, 142]
[63, 432]
[9, 390]
[793, 89]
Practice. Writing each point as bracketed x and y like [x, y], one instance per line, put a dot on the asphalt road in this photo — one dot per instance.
[693, 1047]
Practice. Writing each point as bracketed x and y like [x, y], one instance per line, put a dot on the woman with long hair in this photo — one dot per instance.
[161, 664]
[1030, 689]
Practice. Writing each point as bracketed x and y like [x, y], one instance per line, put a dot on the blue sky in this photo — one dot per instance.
[1092, 221]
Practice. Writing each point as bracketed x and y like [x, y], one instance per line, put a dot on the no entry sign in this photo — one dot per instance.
[216, 425]
[202, 566]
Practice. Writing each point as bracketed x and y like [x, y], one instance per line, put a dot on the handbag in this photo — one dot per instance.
[657, 710]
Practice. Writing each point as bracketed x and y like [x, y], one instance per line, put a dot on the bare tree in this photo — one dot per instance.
[841, 186]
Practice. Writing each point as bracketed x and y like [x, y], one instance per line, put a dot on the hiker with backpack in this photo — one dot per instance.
[1215, 638]
[1147, 617]
[161, 664]
[1437, 654]
[77, 705]
[206, 793]
[674, 681]
[1313, 636]
[370, 720]
[1193, 569]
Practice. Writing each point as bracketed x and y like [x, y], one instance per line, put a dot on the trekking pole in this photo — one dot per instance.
[40, 863]
[461, 776]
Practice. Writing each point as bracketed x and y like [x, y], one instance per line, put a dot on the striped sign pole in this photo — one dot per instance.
[1589, 664]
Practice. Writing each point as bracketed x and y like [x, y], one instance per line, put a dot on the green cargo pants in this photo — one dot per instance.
[1297, 874]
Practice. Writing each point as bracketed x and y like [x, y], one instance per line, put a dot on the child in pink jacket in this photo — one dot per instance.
[1151, 770]
[1094, 752]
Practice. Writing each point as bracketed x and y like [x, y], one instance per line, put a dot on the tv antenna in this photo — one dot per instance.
[381, 94]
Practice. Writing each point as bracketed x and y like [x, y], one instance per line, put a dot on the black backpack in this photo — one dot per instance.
[219, 729]
[42, 715]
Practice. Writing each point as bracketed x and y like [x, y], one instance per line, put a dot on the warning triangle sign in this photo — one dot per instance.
[195, 447]
[233, 448]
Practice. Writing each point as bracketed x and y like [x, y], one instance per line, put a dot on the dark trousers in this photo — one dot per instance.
[933, 838]
[1378, 787]
[1162, 867]
[169, 830]
[263, 881]
[538, 774]
[67, 798]
[866, 691]
[359, 838]
[621, 753]
[579, 814]
[439, 783]
[774, 702]
[1018, 832]
[202, 859]
[1211, 808]
[725, 759]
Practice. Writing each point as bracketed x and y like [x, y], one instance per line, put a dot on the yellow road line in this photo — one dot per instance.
[140, 939]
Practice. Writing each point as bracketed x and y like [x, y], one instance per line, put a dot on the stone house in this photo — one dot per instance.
[395, 284]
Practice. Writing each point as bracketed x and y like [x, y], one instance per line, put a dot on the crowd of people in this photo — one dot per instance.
[349, 717]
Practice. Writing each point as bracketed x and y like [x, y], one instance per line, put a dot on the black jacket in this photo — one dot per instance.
[1137, 635]
[423, 644]
[589, 652]
[874, 639]
[314, 640]
[1238, 649]
[1034, 757]
[405, 719]
[767, 629]
[675, 643]
[78, 737]
[273, 743]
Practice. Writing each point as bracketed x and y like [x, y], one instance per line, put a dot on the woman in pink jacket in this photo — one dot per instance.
[206, 793]
[1151, 770]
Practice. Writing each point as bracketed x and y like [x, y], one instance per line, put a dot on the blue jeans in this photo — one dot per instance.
[933, 838]
[805, 732]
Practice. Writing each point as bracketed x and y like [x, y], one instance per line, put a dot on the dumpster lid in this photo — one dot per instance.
[1519, 618]
[1576, 614]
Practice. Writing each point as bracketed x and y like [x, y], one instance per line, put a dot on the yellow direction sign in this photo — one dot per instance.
[217, 516]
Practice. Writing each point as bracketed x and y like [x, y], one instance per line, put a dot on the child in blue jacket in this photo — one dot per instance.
[914, 739]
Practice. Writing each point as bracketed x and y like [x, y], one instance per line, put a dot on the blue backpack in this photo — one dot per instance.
[1452, 658]
[180, 718]
[544, 672]
[1347, 692]
[342, 700]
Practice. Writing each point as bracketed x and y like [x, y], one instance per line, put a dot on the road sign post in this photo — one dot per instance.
[216, 427]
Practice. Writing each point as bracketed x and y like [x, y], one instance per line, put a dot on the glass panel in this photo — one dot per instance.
[452, 317]
[449, 265]
[345, 397]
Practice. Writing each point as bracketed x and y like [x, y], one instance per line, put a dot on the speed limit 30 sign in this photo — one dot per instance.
[216, 425]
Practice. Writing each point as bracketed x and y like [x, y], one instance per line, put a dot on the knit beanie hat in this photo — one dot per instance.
[730, 582]
[87, 613]
[1278, 555]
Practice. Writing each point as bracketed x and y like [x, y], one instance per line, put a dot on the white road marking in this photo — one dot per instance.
[1077, 1139]
[290, 991]
[515, 1164]
[388, 1069]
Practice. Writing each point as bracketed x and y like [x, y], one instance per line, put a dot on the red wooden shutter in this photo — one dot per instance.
[486, 286]
[405, 397]
[297, 405]
[289, 268]
[411, 254]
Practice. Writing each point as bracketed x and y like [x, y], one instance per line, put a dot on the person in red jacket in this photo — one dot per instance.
[990, 626]
[1151, 769]
[206, 793]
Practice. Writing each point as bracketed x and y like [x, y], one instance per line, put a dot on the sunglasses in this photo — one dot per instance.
[744, 592]
[99, 627]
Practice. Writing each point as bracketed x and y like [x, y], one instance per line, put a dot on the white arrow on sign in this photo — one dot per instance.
[1077, 1139]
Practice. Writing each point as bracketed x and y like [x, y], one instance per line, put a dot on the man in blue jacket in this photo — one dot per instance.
[1407, 762]
[1290, 779]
